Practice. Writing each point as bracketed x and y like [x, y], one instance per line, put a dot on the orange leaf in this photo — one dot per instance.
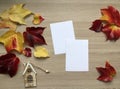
[111, 15]
[12, 41]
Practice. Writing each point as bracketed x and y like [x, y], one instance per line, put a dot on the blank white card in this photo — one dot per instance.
[60, 32]
[77, 55]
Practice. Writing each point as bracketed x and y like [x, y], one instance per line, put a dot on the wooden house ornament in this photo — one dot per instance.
[29, 75]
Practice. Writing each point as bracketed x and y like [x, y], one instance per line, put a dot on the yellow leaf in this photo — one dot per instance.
[8, 24]
[41, 52]
[12, 41]
[16, 14]
[37, 19]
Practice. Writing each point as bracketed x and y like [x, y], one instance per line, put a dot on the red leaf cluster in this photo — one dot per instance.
[33, 35]
[9, 64]
[107, 73]
[109, 23]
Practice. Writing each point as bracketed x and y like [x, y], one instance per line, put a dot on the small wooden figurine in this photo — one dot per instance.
[29, 75]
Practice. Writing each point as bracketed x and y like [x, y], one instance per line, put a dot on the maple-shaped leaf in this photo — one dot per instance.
[37, 19]
[111, 15]
[109, 23]
[112, 32]
[41, 52]
[107, 73]
[16, 14]
[104, 74]
[33, 35]
[12, 41]
[8, 24]
[9, 64]
[27, 52]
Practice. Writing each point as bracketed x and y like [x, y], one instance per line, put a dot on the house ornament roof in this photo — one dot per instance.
[26, 67]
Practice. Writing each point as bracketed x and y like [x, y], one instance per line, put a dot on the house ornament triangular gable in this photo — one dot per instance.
[28, 65]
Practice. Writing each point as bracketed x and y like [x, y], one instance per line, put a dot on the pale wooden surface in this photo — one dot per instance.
[82, 12]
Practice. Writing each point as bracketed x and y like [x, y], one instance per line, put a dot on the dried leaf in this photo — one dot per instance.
[12, 41]
[33, 35]
[112, 32]
[111, 15]
[107, 73]
[111, 69]
[9, 64]
[37, 19]
[16, 14]
[104, 74]
[109, 23]
[8, 24]
[27, 52]
[41, 52]
[97, 26]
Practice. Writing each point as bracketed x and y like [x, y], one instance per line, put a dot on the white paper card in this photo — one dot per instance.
[77, 55]
[60, 32]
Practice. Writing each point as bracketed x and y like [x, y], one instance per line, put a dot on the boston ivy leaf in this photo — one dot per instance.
[107, 73]
[9, 64]
[16, 14]
[37, 19]
[41, 52]
[33, 35]
[12, 41]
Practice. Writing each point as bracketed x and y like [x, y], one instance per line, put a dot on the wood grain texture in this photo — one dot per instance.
[82, 13]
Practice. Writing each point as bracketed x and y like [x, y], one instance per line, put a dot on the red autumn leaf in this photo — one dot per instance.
[33, 35]
[104, 74]
[111, 69]
[9, 64]
[97, 26]
[112, 32]
[111, 15]
[109, 23]
[27, 52]
[107, 73]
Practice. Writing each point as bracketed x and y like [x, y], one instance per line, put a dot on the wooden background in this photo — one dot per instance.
[82, 13]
